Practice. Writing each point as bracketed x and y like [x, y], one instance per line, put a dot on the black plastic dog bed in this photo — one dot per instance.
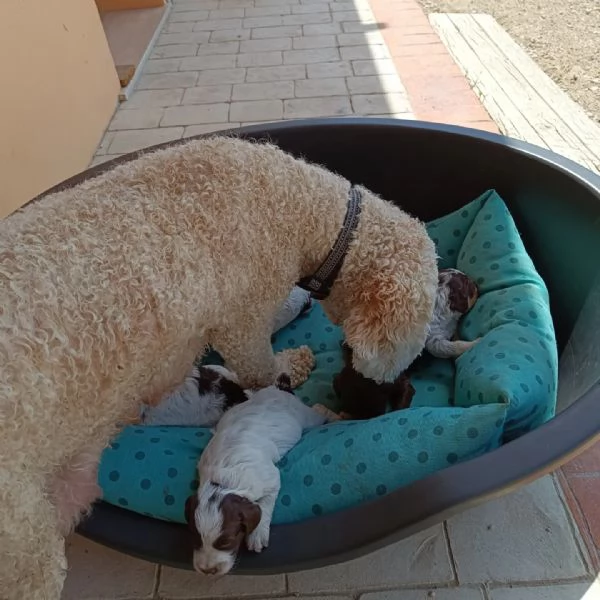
[431, 170]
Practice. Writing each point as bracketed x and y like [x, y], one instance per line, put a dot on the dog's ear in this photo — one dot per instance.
[462, 291]
[240, 513]
[284, 383]
[191, 504]
[388, 322]
[402, 393]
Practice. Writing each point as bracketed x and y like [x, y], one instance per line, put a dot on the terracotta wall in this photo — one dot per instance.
[59, 89]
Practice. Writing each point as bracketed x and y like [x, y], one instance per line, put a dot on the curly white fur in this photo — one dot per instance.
[110, 289]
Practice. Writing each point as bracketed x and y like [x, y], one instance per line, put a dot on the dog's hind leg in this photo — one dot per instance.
[32, 551]
[74, 488]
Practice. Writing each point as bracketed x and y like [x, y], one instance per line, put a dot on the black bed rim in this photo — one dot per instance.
[361, 529]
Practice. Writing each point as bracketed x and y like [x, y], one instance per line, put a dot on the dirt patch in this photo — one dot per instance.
[562, 36]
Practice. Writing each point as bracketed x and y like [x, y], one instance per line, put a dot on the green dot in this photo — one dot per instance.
[326, 459]
[145, 484]
[499, 227]
[464, 214]
[524, 387]
[140, 455]
[492, 343]
[473, 260]
[533, 314]
[472, 432]
[539, 380]
[123, 502]
[456, 233]
[487, 217]
[114, 475]
[499, 422]
[500, 355]
[514, 367]
[514, 261]
[308, 480]
[169, 500]
[487, 245]
[511, 245]
[431, 388]
[452, 458]
[523, 340]
[361, 468]
[317, 509]
[494, 266]
[479, 371]
[423, 457]
[381, 490]
[412, 434]
[348, 442]
[402, 421]
[154, 440]
[286, 500]
[393, 457]
[376, 437]
[172, 472]
[336, 489]
[438, 430]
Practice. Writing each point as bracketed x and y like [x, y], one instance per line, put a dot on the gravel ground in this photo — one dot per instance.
[562, 36]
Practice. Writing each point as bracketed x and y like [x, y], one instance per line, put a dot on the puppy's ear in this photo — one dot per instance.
[241, 511]
[402, 393]
[191, 504]
[284, 383]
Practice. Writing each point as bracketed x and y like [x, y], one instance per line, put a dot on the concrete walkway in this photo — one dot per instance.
[222, 63]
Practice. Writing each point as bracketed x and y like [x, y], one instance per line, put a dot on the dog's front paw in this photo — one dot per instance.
[258, 539]
[297, 363]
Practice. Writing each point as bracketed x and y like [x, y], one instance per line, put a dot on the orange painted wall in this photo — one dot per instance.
[59, 89]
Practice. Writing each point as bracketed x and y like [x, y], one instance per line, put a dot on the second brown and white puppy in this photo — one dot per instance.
[239, 482]
[456, 295]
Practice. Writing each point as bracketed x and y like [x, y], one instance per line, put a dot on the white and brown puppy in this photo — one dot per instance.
[456, 295]
[239, 481]
[200, 401]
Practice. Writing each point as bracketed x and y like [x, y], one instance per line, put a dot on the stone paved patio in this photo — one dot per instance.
[223, 63]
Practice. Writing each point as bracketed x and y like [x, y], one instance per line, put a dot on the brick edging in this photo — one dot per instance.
[437, 89]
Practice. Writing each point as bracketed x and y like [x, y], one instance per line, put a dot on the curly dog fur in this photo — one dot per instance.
[110, 289]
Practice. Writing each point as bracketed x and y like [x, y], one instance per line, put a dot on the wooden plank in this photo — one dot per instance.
[493, 96]
[519, 96]
[546, 88]
[552, 127]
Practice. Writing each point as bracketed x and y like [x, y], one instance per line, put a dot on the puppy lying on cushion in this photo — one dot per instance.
[363, 398]
[200, 401]
[456, 295]
[239, 481]
[208, 391]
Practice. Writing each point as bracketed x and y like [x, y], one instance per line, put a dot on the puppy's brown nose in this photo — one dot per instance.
[211, 571]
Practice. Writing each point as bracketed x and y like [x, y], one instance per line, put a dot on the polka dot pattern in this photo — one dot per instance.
[459, 410]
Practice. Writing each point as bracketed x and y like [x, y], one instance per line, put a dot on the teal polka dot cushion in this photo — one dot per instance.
[500, 389]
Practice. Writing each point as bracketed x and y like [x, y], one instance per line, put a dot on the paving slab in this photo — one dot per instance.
[575, 591]
[176, 584]
[421, 559]
[524, 536]
[97, 573]
[461, 593]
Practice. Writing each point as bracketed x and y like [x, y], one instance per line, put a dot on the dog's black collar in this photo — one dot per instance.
[320, 283]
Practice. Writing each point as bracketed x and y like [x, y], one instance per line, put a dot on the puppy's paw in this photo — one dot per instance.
[297, 363]
[258, 540]
[327, 413]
